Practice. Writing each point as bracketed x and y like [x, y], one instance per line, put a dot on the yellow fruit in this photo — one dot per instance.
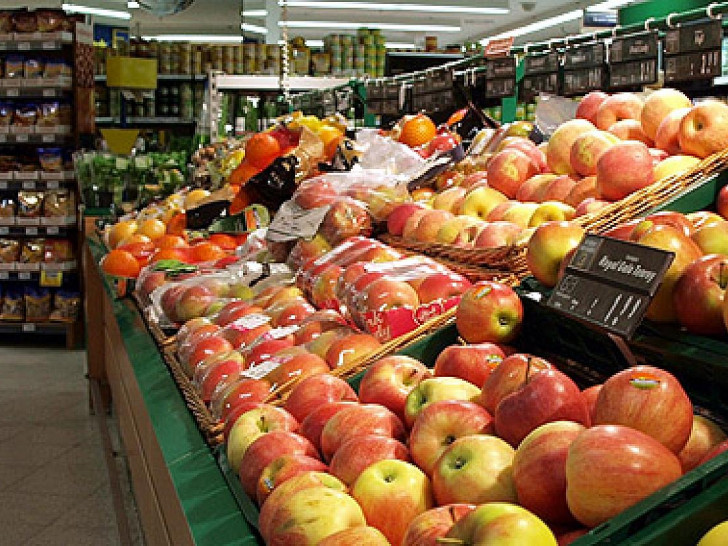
[152, 228]
[717, 536]
[122, 230]
[194, 197]
[135, 238]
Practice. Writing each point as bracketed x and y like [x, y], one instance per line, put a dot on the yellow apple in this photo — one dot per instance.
[717, 536]
[658, 105]
[551, 211]
[451, 230]
[520, 214]
[479, 202]
[674, 165]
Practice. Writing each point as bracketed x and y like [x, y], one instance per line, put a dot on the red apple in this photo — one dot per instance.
[206, 348]
[623, 169]
[241, 336]
[510, 168]
[219, 375]
[442, 286]
[704, 130]
[265, 349]
[350, 349]
[721, 202]
[282, 469]
[713, 237]
[647, 399]
[699, 295]
[668, 132]
[398, 217]
[663, 218]
[435, 389]
[359, 452]
[425, 529]
[387, 293]
[496, 234]
[557, 190]
[315, 421]
[547, 248]
[533, 189]
[558, 153]
[589, 106]
[356, 536]
[527, 147]
[489, 312]
[508, 377]
[388, 381]
[705, 435]
[717, 450]
[429, 225]
[315, 193]
[316, 391]
[590, 205]
[193, 302]
[658, 106]
[356, 421]
[293, 368]
[473, 363]
[241, 391]
[588, 148]
[546, 396]
[590, 395]
[235, 310]
[346, 218]
[611, 467]
[618, 107]
[630, 129]
[440, 424]
[500, 523]
[539, 470]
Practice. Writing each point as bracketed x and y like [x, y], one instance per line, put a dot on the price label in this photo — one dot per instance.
[12, 92]
[51, 279]
[52, 185]
[21, 138]
[610, 283]
[4, 230]
[48, 138]
[28, 327]
[3, 185]
[48, 45]
[3, 138]
[28, 185]
[4, 275]
[293, 222]
[31, 231]
[23, 46]
[53, 230]
[24, 275]
[49, 92]
[3, 45]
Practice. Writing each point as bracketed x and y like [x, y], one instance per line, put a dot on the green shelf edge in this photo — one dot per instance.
[211, 511]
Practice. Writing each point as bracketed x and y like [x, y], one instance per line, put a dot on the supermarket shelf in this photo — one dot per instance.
[35, 184]
[165, 77]
[34, 92]
[35, 231]
[425, 54]
[34, 138]
[38, 41]
[29, 275]
[10, 327]
[157, 120]
[272, 83]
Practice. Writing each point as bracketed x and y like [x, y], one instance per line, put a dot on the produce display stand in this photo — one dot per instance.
[180, 490]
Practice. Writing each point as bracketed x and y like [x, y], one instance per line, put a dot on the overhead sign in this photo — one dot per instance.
[693, 51]
[633, 60]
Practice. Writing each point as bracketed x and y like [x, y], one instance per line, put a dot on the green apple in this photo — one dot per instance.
[551, 211]
[436, 389]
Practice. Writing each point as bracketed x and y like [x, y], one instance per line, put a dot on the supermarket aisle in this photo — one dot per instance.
[54, 484]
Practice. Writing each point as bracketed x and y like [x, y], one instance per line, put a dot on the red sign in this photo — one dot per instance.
[498, 48]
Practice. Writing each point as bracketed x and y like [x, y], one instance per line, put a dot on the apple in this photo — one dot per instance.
[475, 179]
[316, 391]
[235, 310]
[534, 188]
[557, 190]
[202, 331]
[308, 249]
[323, 289]
[473, 363]
[241, 337]
[479, 202]
[352, 348]
[206, 348]
[312, 329]
[663, 218]
[508, 377]
[558, 153]
[630, 129]
[434, 524]
[704, 218]
[668, 132]
[252, 425]
[623, 169]
[589, 106]
[510, 168]
[314, 423]
[551, 211]
[674, 165]
[489, 312]
[293, 313]
[310, 515]
[420, 195]
[647, 399]
[359, 452]
[430, 224]
[316, 193]
[345, 218]
[168, 301]
[392, 493]
[721, 202]
[611, 467]
[662, 308]
[449, 200]
[583, 189]
[442, 286]
[219, 375]
[440, 424]
[450, 232]
[283, 492]
[699, 295]
[543, 397]
[590, 205]
[475, 469]
[527, 147]
[712, 238]
[388, 382]
[714, 452]
[703, 130]
[500, 523]
[520, 213]
[356, 421]
[432, 390]
[716, 535]
[496, 234]
[293, 368]
[658, 106]
[282, 469]
[618, 107]
[321, 344]
[588, 148]
[398, 217]
[265, 349]
[448, 179]
[194, 302]
[243, 390]
[276, 295]
[266, 449]
[548, 246]
[590, 395]
[704, 436]
[356, 536]
[539, 470]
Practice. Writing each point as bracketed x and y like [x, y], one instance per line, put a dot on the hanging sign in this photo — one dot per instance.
[584, 68]
[693, 51]
[633, 60]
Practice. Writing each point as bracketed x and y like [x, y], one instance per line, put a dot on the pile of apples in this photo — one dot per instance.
[617, 145]
[487, 443]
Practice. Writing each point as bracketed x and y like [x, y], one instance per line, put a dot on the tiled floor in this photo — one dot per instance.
[54, 484]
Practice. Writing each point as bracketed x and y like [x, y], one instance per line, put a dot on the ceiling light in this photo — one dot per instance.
[255, 29]
[132, 4]
[609, 4]
[381, 26]
[254, 13]
[538, 25]
[314, 43]
[399, 45]
[87, 10]
[375, 6]
[213, 38]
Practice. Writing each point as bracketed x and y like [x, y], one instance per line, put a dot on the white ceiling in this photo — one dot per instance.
[221, 17]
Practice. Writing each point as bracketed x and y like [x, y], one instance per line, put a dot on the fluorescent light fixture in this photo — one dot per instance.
[212, 38]
[538, 25]
[399, 45]
[376, 6]
[382, 26]
[315, 43]
[609, 4]
[255, 29]
[87, 10]
[254, 13]
[132, 4]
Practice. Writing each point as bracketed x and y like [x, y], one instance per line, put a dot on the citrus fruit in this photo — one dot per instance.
[177, 224]
[224, 241]
[195, 197]
[120, 263]
[207, 252]
[142, 251]
[179, 254]
[242, 200]
[417, 130]
[170, 241]
[242, 173]
[152, 228]
[261, 150]
[122, 230]
[134, 238]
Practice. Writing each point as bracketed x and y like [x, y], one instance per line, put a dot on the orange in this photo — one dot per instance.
[177, 224]
[261, 150]
[152, 228]
[122, 230]
[224, 241]
[417, 130]
[120, 263]
[140, 250]
[241, 201]
[242, 173]
[179, 254]
[207, 252]
[170, 241]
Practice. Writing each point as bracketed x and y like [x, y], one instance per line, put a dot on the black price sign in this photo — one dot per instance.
[610, 283]
[585, 55]
[433, 91]
[541, 75]
[633, 60]
[542, 83]
[693, 51]
[500, 77]
[541, 63]
[692, 66]
[577, 82]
